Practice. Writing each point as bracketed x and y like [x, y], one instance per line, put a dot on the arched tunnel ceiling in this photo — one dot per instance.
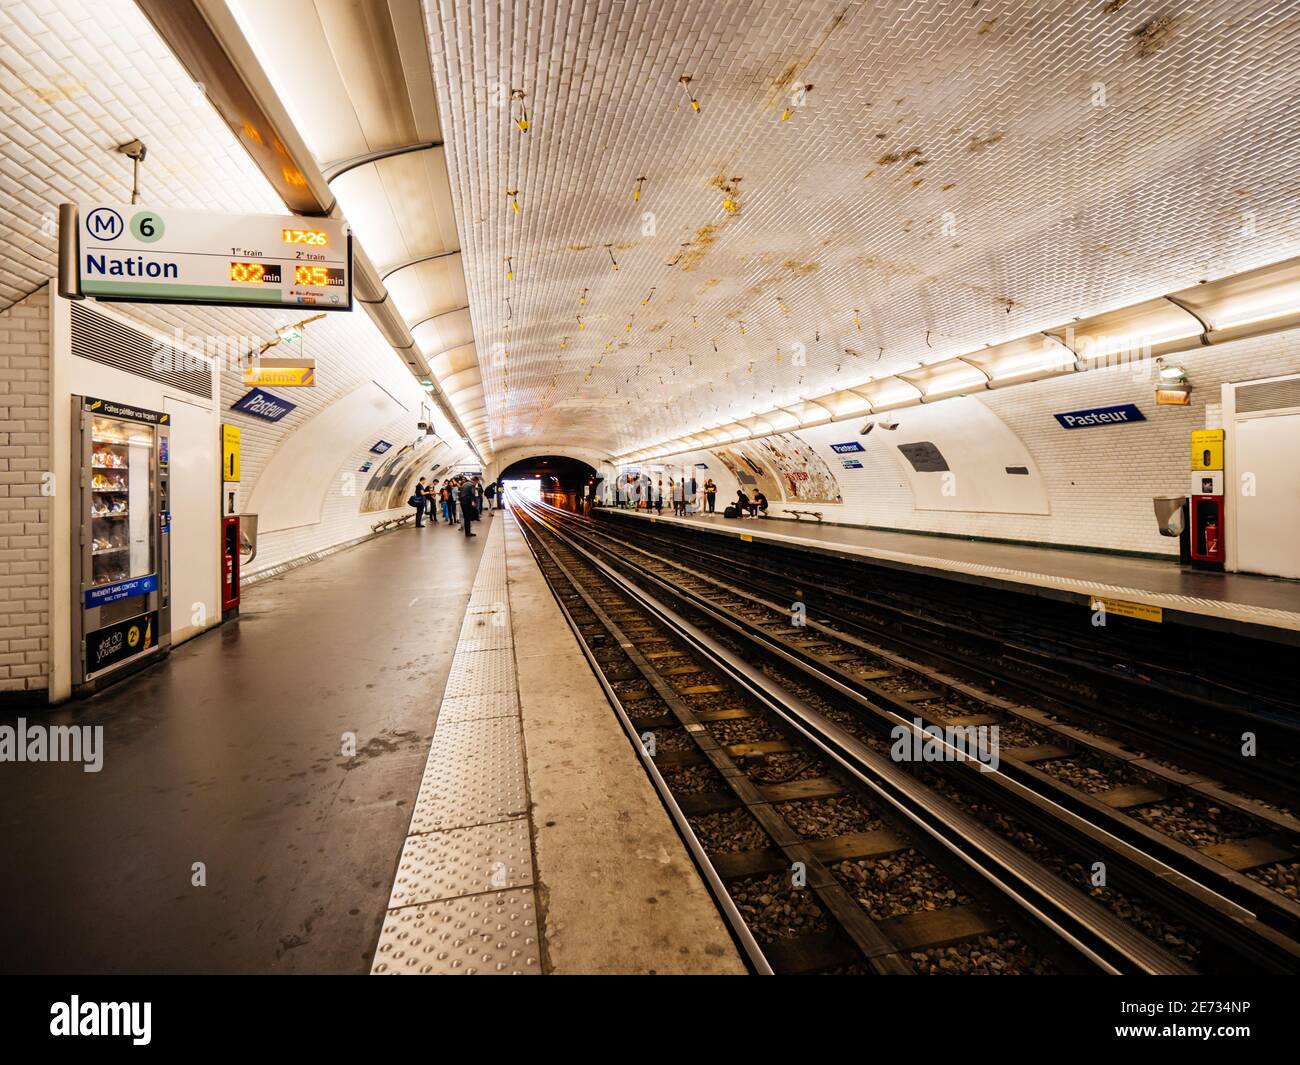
[958, 174]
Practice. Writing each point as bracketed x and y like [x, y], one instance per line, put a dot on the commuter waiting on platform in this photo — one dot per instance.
[710, 494]
[742, 503]
[489, 494]
[679, 496]
[451, 501]
[700, 493]
[659, 496]
[466, 494]
[759, 504]
[418, 500]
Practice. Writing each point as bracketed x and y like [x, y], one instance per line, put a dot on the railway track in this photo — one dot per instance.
[824, 852]
[1129, 680]
[1053, 746]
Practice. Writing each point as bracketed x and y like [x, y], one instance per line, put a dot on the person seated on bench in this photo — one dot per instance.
[759, 503]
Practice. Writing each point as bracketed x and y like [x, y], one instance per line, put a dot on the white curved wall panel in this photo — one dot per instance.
[975, 445]
[292, 488]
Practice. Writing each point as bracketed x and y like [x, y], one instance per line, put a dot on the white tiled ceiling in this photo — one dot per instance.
[960, 173]
[77, 78]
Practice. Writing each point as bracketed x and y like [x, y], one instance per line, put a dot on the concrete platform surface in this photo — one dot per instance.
[616, 886]
[281, 751]
[1241, 600]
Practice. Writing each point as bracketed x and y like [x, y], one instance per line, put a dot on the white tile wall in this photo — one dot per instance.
[24, 510]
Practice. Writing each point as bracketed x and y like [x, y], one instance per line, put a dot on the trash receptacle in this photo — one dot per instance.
[1171, 514]
[247, 537]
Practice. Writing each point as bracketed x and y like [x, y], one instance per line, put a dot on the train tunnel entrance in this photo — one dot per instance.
[555, 479]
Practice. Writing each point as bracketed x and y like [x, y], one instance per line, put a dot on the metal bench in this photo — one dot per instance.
[392, 523]
[811, 513]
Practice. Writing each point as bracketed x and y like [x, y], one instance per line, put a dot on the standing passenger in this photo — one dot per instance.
[711, 493]
[466, 494]
[418, 501]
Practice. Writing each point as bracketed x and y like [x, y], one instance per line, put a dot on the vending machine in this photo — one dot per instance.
[121, 530]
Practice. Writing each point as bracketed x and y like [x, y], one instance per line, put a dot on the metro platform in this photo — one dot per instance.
[395, 760]
[1262, 607]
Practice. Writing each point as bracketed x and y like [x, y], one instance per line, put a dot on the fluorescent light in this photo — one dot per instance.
[1246, 299]
[891, 392]
[1130, 333]
[949, 378]
[1022, 360]
[1256, 303]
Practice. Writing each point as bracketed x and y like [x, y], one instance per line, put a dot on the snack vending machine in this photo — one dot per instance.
[121, 530]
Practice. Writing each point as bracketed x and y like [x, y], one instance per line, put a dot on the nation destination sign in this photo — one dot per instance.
[123, 252]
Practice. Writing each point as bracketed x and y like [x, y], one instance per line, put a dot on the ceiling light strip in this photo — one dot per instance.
[1281, 280]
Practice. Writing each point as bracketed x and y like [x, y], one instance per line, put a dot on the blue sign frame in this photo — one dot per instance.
[1120, 414]
[258, 403]
[111, 593]
[848, 448]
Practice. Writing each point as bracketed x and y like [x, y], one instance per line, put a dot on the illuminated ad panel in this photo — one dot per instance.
[128, 252]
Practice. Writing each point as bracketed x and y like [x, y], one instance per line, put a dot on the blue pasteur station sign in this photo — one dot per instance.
[1121, 414]
[111, 593]
[847, 449]
[261, 404]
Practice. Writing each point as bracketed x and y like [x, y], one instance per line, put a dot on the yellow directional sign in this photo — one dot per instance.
[1124, 609]
[230, 452]
[282, 373]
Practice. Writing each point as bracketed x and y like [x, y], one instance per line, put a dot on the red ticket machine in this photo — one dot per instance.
[229, 567]
[1206, 518]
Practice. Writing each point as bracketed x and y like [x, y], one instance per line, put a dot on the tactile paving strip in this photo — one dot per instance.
[492, 934]
[463, 861]
[462, 900]
[485, 637]
[481, 673]
[472, 707]
[475, 774]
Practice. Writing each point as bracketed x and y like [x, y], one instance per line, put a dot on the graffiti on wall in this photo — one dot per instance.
[804, 476]
[782, 467]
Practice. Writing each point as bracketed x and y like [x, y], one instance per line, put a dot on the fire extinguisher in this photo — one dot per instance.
[1211, 538]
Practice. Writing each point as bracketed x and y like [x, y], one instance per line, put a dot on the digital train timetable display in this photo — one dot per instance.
[125, 252]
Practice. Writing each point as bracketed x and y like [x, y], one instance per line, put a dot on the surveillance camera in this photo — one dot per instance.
[891, 426]
[866, 428]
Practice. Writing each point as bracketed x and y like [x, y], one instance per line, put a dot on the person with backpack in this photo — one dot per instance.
[418, 501]
[490, 493]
